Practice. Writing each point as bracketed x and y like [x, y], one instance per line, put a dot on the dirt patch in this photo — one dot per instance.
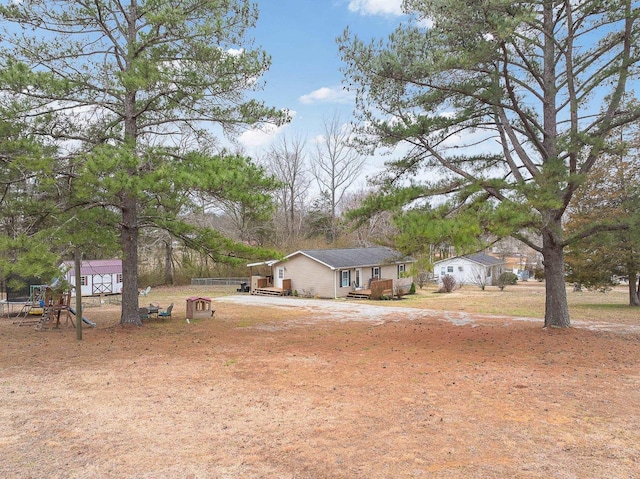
[300, 391]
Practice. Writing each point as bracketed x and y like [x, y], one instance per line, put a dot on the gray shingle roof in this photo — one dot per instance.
[355, 257]
[483, 259]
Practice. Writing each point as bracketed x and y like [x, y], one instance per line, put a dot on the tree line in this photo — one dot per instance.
[503, 117]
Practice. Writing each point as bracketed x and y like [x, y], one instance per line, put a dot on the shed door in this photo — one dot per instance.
[102, 284]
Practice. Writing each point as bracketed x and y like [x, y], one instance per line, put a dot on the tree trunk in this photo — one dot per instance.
[634, 289]
[129, 237]
[168, 262]
[556, 314]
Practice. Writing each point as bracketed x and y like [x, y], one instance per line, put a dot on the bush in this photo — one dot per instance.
[412, 289]
[422, 278]
[507, 278]
[448, 284]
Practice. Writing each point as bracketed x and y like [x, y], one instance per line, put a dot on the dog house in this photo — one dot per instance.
[199, 307]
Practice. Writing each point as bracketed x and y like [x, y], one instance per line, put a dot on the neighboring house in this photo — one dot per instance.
[97, 277]
[479, 268]
[333, 273]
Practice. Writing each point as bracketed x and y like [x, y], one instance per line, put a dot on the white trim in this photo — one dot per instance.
[269, 263]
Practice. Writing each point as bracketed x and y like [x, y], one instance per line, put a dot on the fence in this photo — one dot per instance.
[218, 281]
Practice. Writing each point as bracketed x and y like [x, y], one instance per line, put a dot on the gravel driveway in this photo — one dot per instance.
[357, 310]
[380, 312]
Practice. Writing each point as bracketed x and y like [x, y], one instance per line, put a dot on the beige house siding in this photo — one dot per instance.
[308, 277]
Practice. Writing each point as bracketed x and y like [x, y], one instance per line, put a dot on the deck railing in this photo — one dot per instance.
[382, 284]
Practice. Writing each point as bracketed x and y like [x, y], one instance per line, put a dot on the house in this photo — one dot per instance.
[479, 268]
[333, 273]
[103, 276]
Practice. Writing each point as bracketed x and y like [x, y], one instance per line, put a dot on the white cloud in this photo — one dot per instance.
[257, 138]
[252, 139]
[235, 52]
[327, 95]
[376, 7]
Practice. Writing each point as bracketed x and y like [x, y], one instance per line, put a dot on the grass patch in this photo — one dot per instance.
[527, 299]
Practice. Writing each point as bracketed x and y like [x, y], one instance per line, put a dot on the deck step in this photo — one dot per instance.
[267, 292]
[356, 295]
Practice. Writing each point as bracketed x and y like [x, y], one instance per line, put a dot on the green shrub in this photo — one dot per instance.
[507, 278]
[412, 289]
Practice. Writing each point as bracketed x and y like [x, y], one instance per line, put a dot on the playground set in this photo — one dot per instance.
[50, 305]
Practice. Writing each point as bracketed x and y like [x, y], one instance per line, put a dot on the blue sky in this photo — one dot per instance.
[305, 76]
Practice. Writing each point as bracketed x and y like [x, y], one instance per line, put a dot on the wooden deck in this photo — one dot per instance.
[266, 289]
[383, 287]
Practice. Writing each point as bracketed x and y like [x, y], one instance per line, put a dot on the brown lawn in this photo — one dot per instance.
[273, 392]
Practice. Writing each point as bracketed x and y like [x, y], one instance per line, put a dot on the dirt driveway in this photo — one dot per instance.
[317, 390]
[381, 312]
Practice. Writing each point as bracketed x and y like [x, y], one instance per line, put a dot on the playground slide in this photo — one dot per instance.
[84, 320]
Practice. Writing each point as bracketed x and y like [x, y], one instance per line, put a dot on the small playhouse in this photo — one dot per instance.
[199, 307]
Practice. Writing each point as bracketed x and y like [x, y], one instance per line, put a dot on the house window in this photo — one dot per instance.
[280, 273]
[119, 278]
[488, 273]
[443, 271]
[401, 270]
[375, 272]
[449, 269]
[83, 281]
[460, 268]
[345, 278]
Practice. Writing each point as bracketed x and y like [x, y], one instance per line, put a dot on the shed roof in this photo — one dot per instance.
[354, 257]
[198, 298]
[96, 266]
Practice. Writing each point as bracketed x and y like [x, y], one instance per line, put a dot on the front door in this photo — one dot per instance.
[279, 277]
[358, 280]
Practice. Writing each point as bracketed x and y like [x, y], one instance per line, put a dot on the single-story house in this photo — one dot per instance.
[479, 268]
[102, 276]
[333, 273]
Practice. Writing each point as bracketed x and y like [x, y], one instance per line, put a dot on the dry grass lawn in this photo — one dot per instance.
[272, 392]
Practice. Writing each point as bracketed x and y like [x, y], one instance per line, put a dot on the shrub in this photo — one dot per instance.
[422, 278]
[412, 289]
[507, 278]
[448, 283]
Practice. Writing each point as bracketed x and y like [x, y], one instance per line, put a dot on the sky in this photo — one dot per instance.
[305, 76]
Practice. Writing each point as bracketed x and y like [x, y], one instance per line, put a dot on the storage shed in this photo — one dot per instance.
[101, 276]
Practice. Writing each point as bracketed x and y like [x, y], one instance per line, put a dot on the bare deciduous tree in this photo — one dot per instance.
[336, 165]
[286, 161]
